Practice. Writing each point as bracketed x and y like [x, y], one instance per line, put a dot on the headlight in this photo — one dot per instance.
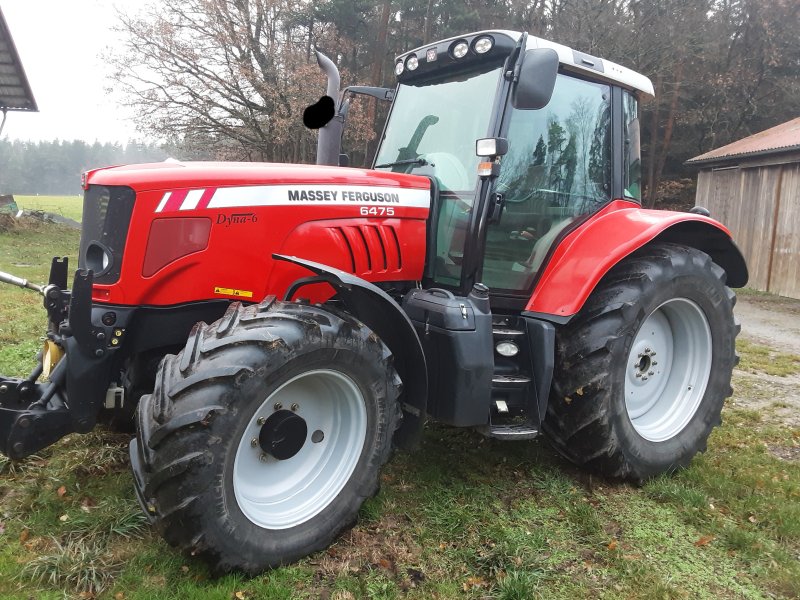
[460, 49]
[483, 45]
[412, 63]
[98, 258]
[507, 349]
[398, 68]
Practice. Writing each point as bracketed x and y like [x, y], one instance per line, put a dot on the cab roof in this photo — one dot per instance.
[570, 60]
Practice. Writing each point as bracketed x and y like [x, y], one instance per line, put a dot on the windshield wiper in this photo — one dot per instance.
[409, 161]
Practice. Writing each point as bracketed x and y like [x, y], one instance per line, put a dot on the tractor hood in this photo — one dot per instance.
[169, 233]
[170, 175]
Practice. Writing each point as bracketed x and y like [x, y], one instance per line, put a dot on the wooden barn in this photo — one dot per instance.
[753, 187]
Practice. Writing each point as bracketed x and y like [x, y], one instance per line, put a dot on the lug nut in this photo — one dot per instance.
[263, 458]
[118, 332]
[644, 378]
[114, 342]
[261, 421]
[654, 363]
[254, 442]
[651, 372]
[101, 336]
[3, 389]
[638, 374]
[278, 406]
[647, 350]
[295, 406]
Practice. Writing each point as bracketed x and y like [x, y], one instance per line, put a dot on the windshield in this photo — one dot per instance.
[433, 127]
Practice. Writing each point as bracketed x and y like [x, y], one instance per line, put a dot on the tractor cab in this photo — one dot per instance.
[570, 135]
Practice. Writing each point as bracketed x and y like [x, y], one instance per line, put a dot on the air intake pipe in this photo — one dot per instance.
[329, 142]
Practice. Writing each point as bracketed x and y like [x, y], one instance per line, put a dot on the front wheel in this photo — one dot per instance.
[265, 435]
[643, 370]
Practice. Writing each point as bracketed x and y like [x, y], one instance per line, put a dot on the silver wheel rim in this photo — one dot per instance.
[667, 370]
[279, 494]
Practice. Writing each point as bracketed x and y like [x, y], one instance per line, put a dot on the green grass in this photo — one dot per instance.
[756, 358]
[461, 517]
[27, 252]
[66, 206]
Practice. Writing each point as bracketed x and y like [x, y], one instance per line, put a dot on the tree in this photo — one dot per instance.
[231, 77]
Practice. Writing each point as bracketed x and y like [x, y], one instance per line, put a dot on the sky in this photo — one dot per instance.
[60, 43]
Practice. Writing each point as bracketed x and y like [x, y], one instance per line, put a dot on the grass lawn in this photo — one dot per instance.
[66, 206]
[462, 517]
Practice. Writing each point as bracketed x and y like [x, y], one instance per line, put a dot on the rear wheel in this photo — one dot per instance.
[643, 370]
[265, 435]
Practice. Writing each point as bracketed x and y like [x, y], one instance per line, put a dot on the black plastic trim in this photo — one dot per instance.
[557, 319]
[714, 242]
[542, 343]
[431, 229]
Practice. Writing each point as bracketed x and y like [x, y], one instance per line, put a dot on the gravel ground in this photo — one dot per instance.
[771, 321]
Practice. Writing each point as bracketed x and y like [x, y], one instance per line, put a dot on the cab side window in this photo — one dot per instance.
[633, 162]
[558, 168]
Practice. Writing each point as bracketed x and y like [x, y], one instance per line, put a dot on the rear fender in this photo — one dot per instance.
[586, 254]
[376, 309]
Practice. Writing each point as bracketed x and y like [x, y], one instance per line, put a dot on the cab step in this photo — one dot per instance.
[506, 333]
[510, 381]
[510, 431]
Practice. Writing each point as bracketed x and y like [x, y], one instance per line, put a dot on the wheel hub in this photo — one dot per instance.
[283, 434]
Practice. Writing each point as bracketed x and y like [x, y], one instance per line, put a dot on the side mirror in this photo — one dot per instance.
[537, 78]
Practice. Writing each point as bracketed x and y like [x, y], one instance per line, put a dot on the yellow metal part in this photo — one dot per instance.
[51, 354]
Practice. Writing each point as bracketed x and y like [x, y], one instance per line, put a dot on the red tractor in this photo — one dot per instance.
[275, 329]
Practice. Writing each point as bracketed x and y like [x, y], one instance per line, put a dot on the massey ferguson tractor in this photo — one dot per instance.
[274, 330]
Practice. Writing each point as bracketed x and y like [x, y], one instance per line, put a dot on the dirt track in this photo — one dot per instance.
[771, 321]
[775, 322]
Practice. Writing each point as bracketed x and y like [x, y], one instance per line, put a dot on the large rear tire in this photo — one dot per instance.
[265, 434]
[643, 370]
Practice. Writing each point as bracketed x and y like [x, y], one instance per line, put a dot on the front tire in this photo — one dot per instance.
[265, 435]
[643, 370]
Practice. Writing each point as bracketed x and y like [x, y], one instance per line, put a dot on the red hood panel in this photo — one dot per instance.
[202, 231]
[170, 175]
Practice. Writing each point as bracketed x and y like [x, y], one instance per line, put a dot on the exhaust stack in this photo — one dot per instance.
[329, 142]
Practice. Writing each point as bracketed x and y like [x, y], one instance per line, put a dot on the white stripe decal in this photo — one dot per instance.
[163, 202]
[335, 195]
[192, 199]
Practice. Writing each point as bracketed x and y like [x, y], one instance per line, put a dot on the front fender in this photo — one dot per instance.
[586, 254]
[378, 311]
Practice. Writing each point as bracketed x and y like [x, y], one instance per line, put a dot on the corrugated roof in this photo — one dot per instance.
[781, 138]
[15, 92]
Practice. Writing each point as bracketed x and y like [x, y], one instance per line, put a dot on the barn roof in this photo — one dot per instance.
[781, 138]
[15, 92]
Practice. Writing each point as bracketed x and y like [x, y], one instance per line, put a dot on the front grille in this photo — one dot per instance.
[106, 217]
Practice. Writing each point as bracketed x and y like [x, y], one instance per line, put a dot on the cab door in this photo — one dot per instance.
[557, 170]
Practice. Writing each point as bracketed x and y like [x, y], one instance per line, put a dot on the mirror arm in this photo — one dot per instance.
[384, 94]
[519, 53]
